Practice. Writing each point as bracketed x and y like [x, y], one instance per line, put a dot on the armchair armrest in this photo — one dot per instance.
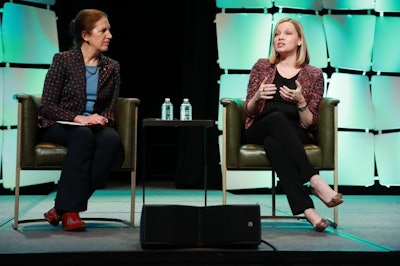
[327, 130]
[233, 126]
[27, 121]
[126, 125]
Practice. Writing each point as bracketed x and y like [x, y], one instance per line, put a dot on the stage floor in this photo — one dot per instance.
[368, 232]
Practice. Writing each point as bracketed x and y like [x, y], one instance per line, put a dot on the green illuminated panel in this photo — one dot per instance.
[387, 36]
[355, 108]
[19, 80]
[356, 158]
[242, 39]
[387, 155]
[303, 4]
[1, 98]
[244, 3]
[45, 2]
[1, 45]
[387, 5]
[385, 91]
[29, 34]
[350, 40]
[348, 4]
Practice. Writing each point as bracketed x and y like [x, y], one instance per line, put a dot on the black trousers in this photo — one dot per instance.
[87, 166]
[283, 144]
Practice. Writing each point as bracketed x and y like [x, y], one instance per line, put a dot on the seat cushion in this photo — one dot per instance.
[49, 155]
[252, 157]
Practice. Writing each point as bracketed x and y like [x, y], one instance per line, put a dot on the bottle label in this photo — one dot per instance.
[166, 112]
[186, 112]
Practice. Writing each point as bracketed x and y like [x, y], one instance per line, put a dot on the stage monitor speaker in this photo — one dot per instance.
[226, 226]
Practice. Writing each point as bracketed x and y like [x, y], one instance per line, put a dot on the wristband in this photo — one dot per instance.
[301, 109]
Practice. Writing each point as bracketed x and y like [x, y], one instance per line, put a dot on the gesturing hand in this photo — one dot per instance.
[265, 91]
[293, 96]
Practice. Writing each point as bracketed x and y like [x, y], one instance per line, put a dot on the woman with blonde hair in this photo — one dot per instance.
[283, 97]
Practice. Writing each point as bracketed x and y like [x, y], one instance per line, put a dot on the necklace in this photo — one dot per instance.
[92, 73]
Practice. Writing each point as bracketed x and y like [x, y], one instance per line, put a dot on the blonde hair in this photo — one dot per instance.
[303, 57]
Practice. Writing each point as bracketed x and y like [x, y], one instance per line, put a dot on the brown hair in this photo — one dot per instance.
[84, 21]
[303, 57]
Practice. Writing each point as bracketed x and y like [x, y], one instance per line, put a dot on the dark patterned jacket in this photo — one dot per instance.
[310, 78]
[64, 91]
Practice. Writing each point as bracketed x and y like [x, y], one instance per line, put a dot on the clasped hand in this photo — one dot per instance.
[94, 119]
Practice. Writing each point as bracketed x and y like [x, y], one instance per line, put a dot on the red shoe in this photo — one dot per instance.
[52, 217]
[72, 222]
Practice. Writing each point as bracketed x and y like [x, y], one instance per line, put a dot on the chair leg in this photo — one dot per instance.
[16, 199]
[133, 197]
[335, 187]
[223, 161]
[335, 170]
[223, 186]
[273, 194]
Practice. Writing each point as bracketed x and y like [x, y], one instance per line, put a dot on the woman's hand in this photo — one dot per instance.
[293, 96]
[265, 91]
[90, 120]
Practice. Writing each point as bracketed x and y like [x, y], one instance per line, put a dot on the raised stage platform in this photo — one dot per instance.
[368, 232]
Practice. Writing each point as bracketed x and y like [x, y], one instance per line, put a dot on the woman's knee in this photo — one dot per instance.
[276, 116]
[84, 136]
[109, 136]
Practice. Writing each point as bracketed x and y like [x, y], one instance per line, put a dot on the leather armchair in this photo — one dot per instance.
[241, 156]
[35, 155]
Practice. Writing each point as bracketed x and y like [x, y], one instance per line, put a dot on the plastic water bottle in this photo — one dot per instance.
[186, 110]
[167, 110]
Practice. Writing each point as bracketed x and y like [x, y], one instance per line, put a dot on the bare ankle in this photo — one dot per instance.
[315, 179]
[321, 189]
[312, 216]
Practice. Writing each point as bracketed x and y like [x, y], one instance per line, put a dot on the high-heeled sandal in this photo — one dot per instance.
[335, 201]
[321, 225]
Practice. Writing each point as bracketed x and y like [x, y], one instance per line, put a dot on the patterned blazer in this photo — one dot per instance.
[64, 91]
[310, 78]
